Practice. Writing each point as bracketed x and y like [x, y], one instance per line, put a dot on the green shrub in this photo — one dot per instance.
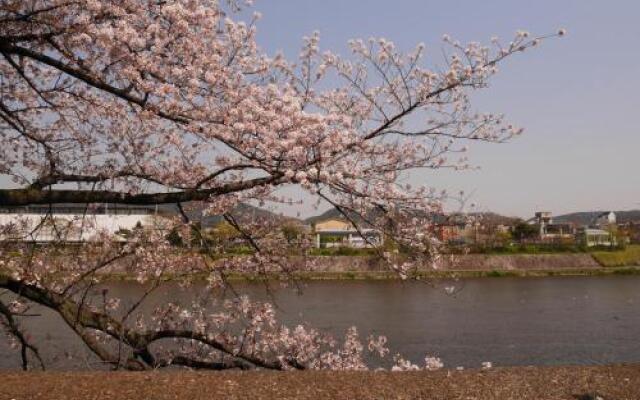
[330, 239]
[521, 248]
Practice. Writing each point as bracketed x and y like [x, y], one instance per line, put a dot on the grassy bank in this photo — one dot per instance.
[516, 383]
[628, 256]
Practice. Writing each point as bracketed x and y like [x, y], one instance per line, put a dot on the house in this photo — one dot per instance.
[630, 230]
[74, 223]
[605, 221]
[543, 218]
[450, 228]
[556, 232]
[479, 228]
[601, 231]
[591, 237]
[450, 233]
[550, 231]
[336, 232]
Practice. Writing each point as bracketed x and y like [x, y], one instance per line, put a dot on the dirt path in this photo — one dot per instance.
[548, 383]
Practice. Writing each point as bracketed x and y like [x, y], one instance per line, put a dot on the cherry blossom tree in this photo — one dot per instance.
[150, 102]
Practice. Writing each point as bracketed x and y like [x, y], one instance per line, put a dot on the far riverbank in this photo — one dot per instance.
[458, 266]
[371, 267]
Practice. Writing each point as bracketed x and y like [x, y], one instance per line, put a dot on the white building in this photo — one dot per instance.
[550, 231]
[74, 223]
[340, 233]
[597, 237]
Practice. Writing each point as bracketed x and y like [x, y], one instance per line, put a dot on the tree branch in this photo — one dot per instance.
[80, 319]
[23, 197]
[25, 345]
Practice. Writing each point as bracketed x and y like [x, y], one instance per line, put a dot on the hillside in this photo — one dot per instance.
[242, 212]
[330, 214]
[586, 217]
[489, 218]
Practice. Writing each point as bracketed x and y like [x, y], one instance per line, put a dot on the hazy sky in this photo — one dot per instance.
[578, 98]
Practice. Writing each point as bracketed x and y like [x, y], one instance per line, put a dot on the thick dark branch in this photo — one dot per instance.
[29, 37]
[80, 319]
[23, 197]
[60, 178]
[53, 179]
[221, 171]
[199, 364]
[99, 350]
[153, 336]
[57, 178]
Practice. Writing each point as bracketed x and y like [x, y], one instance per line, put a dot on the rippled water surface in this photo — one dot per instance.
[509, 321]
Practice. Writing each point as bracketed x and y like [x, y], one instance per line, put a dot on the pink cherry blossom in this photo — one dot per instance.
[146, 103]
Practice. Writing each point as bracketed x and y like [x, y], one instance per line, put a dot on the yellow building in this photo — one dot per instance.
[340, 233]
[333, 225]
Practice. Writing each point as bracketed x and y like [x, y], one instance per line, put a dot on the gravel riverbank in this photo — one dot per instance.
[517, 383]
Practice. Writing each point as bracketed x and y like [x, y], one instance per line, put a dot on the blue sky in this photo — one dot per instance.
[578, 98]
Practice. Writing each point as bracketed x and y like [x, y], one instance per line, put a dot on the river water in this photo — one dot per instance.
[508, 321]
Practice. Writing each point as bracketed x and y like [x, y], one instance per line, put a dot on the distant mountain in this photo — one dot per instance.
[488, 218]
[329, 214]
[587, 217]
[628, 216]
[242, 212]
[332, 213]
[491, 218]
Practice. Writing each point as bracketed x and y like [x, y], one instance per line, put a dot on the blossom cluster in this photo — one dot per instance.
[148, 102]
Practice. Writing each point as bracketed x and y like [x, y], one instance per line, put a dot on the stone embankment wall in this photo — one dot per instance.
[522, 262]
[472, 262]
